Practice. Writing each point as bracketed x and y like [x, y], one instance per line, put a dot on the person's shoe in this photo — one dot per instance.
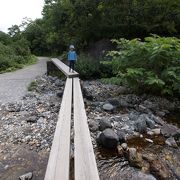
[72, 71]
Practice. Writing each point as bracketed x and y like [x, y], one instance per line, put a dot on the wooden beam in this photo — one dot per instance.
[85, 163]
[64, 68]
[59, 159]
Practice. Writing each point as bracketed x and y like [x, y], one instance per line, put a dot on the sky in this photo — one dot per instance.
[12, 12]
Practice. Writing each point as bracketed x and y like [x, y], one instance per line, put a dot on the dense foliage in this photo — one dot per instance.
[83, 22]
[89, 68]
[14, 52]
[151, 66]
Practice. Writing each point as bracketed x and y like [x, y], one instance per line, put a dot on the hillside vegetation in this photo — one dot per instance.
[14, 53]
[140, 60]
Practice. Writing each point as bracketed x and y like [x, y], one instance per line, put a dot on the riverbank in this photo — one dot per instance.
[130, 134]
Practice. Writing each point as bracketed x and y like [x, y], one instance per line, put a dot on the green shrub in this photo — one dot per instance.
[15, 56]
[32, 86]
[89, 68]
[112, 80]
[152, 65]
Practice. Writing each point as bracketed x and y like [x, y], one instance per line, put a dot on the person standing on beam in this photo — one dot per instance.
[72, 58]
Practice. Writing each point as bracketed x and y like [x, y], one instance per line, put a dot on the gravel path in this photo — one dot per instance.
[13, 85]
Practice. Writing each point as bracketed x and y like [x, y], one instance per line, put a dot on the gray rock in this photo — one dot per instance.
[108, 139]
[32, 119]
[59, 94]
[142, 108]
[140, 124]
[104, 124]
[151, 133]
[156, 119]
[156, 131]
[133, 116]
[114, 102]
[150, 105]
[122, 136]
[27, 176]
[108, 107]
[87, 94]
[59, 83]
[150, 123]
[93, 126]
[168, 130]
[14, 107]
[123, 103]
[171, 142]
[161, 113]
[142, 176]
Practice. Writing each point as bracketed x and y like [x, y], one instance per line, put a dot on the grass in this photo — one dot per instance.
[112, 80]
[32, 60]
[32, 86]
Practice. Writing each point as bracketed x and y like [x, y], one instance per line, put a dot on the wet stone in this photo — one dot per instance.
[108, 139]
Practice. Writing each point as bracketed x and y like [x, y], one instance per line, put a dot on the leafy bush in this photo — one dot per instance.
[112, 80]
[32, 86]
[152, 65]
[89, 67]
[14, 56]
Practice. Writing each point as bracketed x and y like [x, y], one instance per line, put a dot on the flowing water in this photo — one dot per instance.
[112, 167]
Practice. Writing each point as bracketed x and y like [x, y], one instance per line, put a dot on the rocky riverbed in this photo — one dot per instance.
[130, 134]
[27, 128]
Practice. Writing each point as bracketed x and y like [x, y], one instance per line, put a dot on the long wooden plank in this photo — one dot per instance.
[64, 68]
[59, 160]
[85, 163]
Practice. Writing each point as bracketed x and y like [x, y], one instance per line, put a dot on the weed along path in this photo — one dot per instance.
[13, 85]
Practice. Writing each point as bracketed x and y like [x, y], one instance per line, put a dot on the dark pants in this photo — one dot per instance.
[71, 64]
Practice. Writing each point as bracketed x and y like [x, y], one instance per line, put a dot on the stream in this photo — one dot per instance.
[113, 167]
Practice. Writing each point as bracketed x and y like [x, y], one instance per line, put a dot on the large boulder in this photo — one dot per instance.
[108, 139]
[104, 124]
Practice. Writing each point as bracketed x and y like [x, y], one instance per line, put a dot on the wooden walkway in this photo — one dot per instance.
[84, 159]
[64, 68]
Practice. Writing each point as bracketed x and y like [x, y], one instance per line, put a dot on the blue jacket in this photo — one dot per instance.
[72, 56]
